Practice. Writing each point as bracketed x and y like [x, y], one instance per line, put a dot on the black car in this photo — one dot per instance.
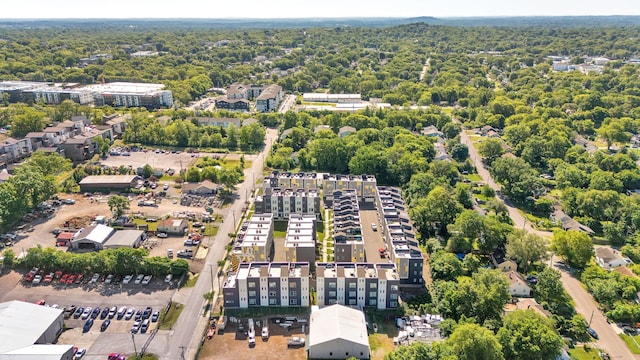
[147, 312]
[105, 325]
[138, 315]
[87, 325]
[104, 313]
[95, 313]
[78, 312]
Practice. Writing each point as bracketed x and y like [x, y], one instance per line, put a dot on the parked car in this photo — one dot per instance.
[87, 325]
[146, 280]
[78, 312]
[144, 326]
[168, 278]
[86, 313]
[80, 353]
[79, 278]
[127, 279]
[95, 313]
[121, 312]
[136, 327]
[112, 312]
[295, 341]
[129, 313]
[162, 235]
[592, 333]
[68, 201]
[104, 313]
[37, 279]
[139, 279]
[9, 236]
[155, 316]
[95, 277]
[138, 316]
[374, 227]
[48, 278]
[265, 332]
[109, 279]
[105, 325]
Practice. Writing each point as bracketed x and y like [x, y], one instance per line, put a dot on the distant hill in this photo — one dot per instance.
[556, 21]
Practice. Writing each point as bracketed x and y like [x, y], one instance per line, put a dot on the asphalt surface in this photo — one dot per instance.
[184, 338]
[584, 303]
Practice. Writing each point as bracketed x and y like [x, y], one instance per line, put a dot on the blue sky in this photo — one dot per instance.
[306, 8]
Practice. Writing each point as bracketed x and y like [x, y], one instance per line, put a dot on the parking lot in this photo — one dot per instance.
[163, 160]
[232, 344]
[373, 240]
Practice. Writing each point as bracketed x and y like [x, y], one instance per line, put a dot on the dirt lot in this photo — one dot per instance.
[163, 160]
[233, 345]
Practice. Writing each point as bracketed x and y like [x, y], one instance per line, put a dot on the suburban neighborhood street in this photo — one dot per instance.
[185, 336]
[584, 303]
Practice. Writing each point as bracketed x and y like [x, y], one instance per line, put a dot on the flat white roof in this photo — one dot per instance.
[124, 238]
[23, 323]
[337, 322]
[97, 233]
[126, 88]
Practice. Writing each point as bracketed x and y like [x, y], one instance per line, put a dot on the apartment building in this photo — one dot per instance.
[269, 98]
[357, 284]
[347, 230]
[268, 284]
[294, 181]
[364, 185]
[254, 241]
[300, 241]
[399, 235]
[282, 202]
[13, 150]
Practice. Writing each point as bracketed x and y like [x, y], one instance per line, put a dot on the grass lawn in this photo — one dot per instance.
[474, 177]
[280, 229]
[580, 353]
[633, 346]
[191, 281]
[168, 318]
[153, 226]
[144, 357]
[210, 230]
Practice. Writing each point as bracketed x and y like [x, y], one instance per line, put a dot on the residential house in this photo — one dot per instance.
[346, 130]
[320, 128]
[518, 286]
[205, 187]
[173, 226]
[431, 131]
[503, 264]
[609, 258]
[118, 123]
[568, 223]
[39, 139]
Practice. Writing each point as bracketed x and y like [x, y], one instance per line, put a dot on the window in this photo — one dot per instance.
[252, 301]
[352, 301]
[273, 284]
[372, 294]
[272, 294]
[393, 296]
[252, 293]
[373, 302]
[293, 293]
[352, 294]
[332, 294]
[373, 285]
[252, 285]
[292, 285]
[393, 304]
[394, 287]
[273, 302]
[332, 285]
[352, 285]
[293, 302]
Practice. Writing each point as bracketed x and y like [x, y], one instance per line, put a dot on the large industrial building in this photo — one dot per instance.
[28, 332]
[338, 332]
[92, 237]
[119, 94]
[108, 182]
[267, 284]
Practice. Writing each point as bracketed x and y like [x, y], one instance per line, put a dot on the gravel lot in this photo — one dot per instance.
[164, 160]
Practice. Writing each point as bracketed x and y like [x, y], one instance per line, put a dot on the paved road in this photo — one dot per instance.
[584, 303]
[184, 338]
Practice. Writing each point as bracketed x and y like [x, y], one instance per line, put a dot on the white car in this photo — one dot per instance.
[86, 313]
[374, 227]
[37, 279]
[95, 277]
[146, 280]
[162, 235]
[80, 353]
[127, 279]
[10, 236]
[139, 279]
[168, 278]
[129, 313]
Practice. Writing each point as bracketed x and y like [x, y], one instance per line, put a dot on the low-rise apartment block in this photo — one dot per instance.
[347, 230]
[294, 181]
[254, 241]
[357, 284]
[300, 242]
[282, 202]
[364, 186]
[269, 99]
[399, 235]
[268, 284]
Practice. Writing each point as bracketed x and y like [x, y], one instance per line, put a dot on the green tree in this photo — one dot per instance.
[549, 289]
[491, 149]
[613, 133]
[473, 342]
[527, 335]
[445, 266]
[118, 205]
[8, 258]
[147, 171]
[573, 246]
[438, 209]
[526, 248]
[415, 351]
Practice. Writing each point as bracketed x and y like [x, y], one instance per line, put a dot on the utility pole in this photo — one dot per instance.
[182, 348]
[591, 319]
[134, 345]
[234, 220]
[211, 270]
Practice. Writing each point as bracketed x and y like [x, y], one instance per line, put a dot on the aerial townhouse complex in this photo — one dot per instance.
[353, 276]
[399, 235]
[268, 284]
[357, 284]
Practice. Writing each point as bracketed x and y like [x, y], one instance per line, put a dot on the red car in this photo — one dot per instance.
[71, 279]
[79, 278]
[64, 278]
